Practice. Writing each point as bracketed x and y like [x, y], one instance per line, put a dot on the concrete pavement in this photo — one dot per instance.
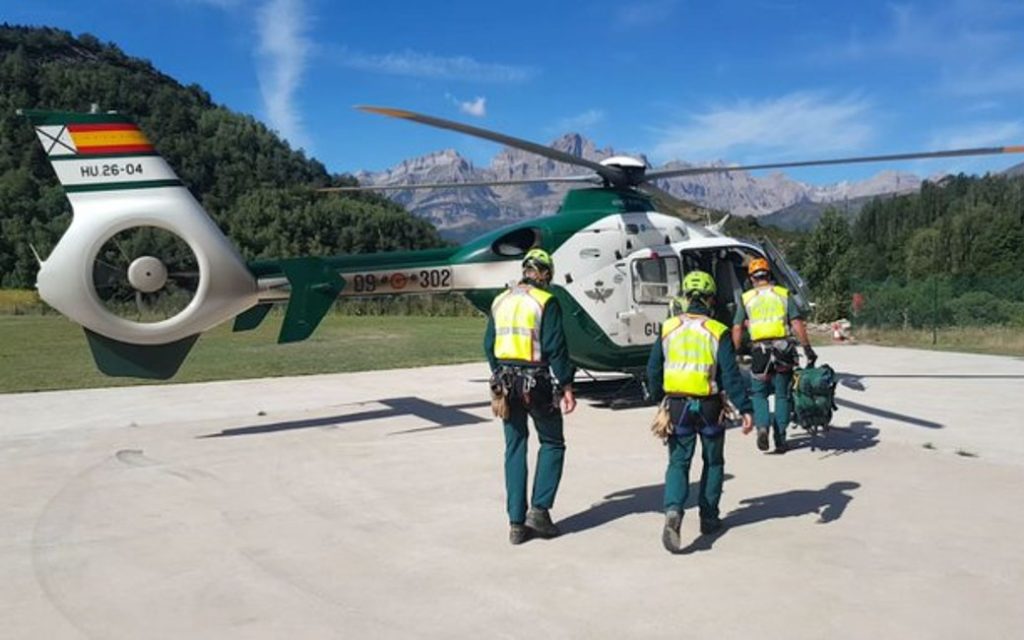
[372, 505]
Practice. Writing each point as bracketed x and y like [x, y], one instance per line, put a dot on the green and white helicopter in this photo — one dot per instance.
[619, 262]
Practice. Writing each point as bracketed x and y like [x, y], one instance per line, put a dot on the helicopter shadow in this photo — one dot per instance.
[443, 417]
[828, 503]
[646, 499]
[834, 441]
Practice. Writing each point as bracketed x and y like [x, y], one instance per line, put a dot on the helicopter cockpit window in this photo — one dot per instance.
[655, 280]
[516, 243]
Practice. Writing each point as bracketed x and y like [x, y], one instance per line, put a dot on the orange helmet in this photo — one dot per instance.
[758, 266]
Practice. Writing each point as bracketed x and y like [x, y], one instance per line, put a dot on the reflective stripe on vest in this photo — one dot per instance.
[690, 345]
[766, 309]
[517, 317]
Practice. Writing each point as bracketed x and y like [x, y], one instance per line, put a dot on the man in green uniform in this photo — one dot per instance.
[766, 312]
[525, 346]
[691, 364]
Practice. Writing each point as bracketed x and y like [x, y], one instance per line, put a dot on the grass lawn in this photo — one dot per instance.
[1002, 341]
[40, 352]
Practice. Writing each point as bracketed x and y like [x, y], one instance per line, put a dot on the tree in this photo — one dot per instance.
[826, 266]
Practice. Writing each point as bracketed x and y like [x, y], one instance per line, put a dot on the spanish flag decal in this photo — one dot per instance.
[90, 139]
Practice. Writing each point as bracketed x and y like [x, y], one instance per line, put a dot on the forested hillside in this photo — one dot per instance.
[951, 254]
[254, 185]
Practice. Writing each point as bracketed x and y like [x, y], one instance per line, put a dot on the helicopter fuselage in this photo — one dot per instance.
[616, 271]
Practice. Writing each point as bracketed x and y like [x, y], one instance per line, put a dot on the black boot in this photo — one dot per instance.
[518, 534]
[670, 534]
[762, 439]
[539, 520]
[709, 526]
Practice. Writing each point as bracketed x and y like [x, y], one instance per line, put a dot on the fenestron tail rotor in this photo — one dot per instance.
[145, 274]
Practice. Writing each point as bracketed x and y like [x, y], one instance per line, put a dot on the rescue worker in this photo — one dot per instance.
[691, 365]
[526, 348]
[769, 312]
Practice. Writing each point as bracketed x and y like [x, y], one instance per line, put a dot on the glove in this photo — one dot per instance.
[811, 356]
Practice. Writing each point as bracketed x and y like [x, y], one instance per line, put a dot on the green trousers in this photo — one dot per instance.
[550, 459]
[781, 384]
[712, 475]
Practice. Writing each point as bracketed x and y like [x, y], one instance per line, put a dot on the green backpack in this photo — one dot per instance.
[814, 392]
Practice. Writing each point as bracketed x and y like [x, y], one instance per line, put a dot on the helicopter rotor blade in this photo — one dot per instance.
[952, 153]
[459, 185]
[610, 174]
[684, 209]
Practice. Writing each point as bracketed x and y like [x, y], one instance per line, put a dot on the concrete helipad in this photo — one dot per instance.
[371, 506]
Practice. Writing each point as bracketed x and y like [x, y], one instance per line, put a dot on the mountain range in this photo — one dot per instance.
[462, 212]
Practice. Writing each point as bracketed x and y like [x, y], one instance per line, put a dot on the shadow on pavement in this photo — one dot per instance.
[828, 503]
[891, 415]
[860, 435]
[440, 415]
[854, 380]
[647, 499]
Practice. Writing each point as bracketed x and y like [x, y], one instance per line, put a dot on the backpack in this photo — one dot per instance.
[814, 391]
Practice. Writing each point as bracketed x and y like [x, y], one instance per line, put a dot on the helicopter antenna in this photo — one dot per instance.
[719, 226]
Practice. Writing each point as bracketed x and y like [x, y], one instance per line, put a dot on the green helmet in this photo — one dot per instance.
[539, 259]
[698, 284]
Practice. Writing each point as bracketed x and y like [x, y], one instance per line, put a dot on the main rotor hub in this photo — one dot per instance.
[631, 169]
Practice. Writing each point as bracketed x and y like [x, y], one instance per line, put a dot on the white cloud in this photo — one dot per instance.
[974, 45]
[581, 121]
[644, 14]
[995, 133]
[219, 4]
[796, 125]
[986, 80]
[283, 53]
[980, 134]
[476, 108]
[425, 65]
[949, 33]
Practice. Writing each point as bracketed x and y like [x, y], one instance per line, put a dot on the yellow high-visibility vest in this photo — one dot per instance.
[517, 317]
[690, 345]
[766, 309]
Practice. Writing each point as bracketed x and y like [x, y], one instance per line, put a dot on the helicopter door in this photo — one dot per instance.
[788, 277]
[655, 280]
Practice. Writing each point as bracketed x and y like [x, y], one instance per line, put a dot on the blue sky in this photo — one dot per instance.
[745, 82]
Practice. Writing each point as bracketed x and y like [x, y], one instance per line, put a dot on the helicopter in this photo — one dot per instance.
[619, 261]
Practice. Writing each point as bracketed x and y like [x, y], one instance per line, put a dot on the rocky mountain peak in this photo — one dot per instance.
[482, 208]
